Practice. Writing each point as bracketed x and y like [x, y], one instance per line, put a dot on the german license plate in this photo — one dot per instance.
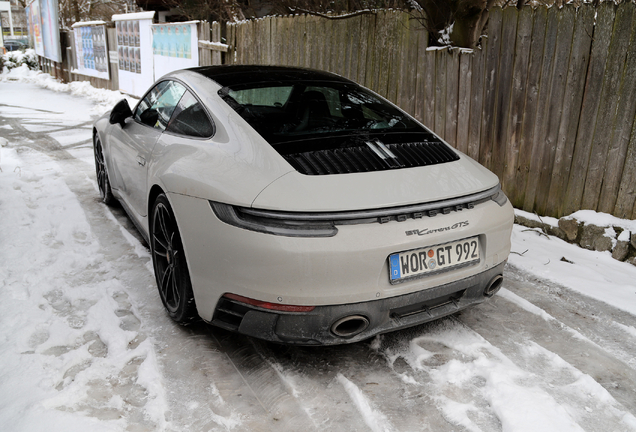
[433, 259]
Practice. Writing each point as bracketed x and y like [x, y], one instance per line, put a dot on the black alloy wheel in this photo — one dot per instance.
[169, 262]
[102, 176]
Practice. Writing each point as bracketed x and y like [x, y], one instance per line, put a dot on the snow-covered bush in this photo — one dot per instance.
[13, 59]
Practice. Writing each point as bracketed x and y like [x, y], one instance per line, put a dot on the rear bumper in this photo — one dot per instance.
[383, 315]
[350, 268]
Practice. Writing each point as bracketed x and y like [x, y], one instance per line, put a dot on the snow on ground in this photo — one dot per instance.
[595, 274]
[70, 339]
[375, 420]
[67, 323]
[104, 99]
[80, 351]
[458, 361]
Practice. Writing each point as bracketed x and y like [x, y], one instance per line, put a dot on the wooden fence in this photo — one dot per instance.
[547, 103]
[209, 32]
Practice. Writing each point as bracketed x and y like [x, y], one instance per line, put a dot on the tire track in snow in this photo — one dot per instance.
[593, 319]
[310, 377]
[581, 376]
[202, 384]
[41, 140]
[281, 408]
[315, 376]
[476, 385]
[376, 420]
[197, 373]
[503, 322]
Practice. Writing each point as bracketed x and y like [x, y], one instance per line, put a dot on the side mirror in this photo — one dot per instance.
[149, 117]
[120, 113]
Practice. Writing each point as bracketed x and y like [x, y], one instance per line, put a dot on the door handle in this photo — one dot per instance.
[141, 161]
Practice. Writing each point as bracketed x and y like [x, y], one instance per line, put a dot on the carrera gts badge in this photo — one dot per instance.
[426, 231]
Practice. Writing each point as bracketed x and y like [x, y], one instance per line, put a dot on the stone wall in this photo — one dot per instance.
[620, 242]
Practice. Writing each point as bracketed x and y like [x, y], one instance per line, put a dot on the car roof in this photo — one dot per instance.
[229, 75]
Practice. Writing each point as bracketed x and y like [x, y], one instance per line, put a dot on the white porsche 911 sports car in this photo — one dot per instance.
[298, 207]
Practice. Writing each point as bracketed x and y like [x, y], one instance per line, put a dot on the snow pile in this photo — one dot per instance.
[209, 44]
[587, 217]
[72, 352]
[552, 221]
[590, 217]
[14, 59]
[104, 99]
[595, 274]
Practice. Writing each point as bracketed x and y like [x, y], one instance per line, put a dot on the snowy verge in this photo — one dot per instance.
[104, 99]
[72, 353]
[594, 274]
[587, 217]
[591, 230]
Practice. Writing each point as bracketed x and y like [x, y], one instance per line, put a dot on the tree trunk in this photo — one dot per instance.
[470, 18]
[75, 10]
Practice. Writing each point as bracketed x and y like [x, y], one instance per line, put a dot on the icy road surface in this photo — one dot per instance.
[85, 344]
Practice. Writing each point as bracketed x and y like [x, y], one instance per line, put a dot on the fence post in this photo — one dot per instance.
[205, 59]
[215, 32]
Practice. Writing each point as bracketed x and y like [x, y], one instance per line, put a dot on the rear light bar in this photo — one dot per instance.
[270, 306]
[324, 224]
[272, 222]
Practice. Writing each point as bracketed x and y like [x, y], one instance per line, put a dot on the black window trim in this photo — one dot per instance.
[193, 93]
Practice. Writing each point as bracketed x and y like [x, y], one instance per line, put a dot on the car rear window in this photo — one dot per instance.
[300, 110]
[324, 127]
[265, 96]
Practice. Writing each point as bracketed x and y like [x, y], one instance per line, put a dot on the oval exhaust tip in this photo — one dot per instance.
[350, 326]
[493, 286]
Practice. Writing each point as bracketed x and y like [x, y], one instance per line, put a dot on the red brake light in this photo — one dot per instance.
[271, 306]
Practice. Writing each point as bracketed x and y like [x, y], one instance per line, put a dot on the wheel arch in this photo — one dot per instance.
[187, 312]
[155, 191]
[97, 134]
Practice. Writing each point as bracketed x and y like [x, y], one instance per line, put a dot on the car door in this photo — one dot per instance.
[132, 145]
[190, 128]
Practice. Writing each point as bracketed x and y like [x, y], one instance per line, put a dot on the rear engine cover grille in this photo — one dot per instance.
[363, 159]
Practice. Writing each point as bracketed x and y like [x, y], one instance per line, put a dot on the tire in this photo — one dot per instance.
[102, 175]
[169, 263]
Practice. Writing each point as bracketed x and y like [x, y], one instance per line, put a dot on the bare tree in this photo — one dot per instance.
[232, 10]
[458, 22]
[72, 11]
[211, 10]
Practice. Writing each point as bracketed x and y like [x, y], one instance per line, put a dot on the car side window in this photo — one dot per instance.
[157, 107]
[189, 118]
